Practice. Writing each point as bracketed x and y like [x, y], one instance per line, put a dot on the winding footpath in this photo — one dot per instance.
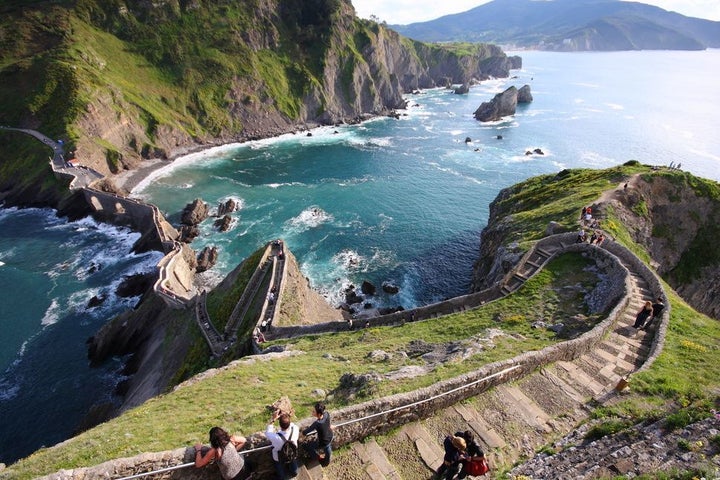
[83, 176]
[513, 406]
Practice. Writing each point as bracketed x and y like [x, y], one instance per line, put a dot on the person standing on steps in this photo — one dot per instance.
[643, 315]
[289, 432]
[224, 451]
[657, 307]
[322, 447]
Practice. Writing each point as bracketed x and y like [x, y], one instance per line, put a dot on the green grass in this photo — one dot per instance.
[236, 397]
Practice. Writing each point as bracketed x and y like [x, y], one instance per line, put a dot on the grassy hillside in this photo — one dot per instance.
[125, 80]
[681, 386]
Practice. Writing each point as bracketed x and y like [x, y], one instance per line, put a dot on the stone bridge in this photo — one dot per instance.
[573, 374]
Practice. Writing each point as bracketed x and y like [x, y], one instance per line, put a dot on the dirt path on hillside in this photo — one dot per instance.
[620, 190]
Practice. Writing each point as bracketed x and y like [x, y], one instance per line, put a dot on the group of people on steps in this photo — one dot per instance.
[284, 438]
[463, 457]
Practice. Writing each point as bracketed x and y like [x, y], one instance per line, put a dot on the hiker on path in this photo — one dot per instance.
[321, 448]
[288, 433]
[644, 313]
[657, 307]
[224, 451]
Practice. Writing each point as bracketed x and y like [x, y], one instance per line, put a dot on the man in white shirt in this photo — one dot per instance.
[288, 432]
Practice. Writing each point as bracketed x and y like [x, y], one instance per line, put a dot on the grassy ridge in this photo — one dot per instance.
[236, 397]
[681, 385]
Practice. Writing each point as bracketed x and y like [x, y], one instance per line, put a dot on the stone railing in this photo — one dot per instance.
[562, 243]
[250, 289]
[378, 416]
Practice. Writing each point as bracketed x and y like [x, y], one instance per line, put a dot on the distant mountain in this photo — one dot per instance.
[570, 25]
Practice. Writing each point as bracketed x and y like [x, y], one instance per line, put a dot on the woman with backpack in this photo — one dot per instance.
[284, 445]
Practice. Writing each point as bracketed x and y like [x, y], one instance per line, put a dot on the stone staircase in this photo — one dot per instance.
[550, 394]
[512, 420]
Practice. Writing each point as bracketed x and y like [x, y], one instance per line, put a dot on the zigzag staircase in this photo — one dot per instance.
[512, 420]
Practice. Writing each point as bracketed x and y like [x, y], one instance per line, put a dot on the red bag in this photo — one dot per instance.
[477, 466]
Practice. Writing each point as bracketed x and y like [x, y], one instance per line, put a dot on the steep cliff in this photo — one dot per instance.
[671, 214]
[166, 345]
[128, 81]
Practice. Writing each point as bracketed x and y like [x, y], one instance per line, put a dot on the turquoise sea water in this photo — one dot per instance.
[401, 201]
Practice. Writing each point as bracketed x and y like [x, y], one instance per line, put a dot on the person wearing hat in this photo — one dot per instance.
[454, 453]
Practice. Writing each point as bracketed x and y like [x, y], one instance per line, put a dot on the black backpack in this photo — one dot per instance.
[289, 451]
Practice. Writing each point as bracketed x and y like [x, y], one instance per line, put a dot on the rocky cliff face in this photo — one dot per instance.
[158, 338]
[674, 215]
[677, 219]
[149, 80]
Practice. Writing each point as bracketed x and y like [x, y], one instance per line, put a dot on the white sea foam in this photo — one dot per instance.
[454, 172]
[615, 106]
[204, 157]
[52, 314]
[284, 184]
[311, 217]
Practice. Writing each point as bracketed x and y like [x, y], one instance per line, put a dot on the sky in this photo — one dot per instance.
[408, 11]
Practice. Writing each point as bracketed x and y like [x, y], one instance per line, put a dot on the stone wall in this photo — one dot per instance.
[566, 241]
[381, 415]
[142, 217]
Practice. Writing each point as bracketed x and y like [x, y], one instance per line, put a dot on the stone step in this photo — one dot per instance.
[614, 359]
[601, 372]
[431, 453]
[374, 461]
[567, 389]
[625, 353]
[482, 429]
[310, 471]
[531, 413]
[580, 380]
[533, 264]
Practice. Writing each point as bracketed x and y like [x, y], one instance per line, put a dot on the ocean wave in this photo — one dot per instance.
[202, 158]
[456, 173]
[231, 180]
[284, 184]
[309, 218]
[52, 314]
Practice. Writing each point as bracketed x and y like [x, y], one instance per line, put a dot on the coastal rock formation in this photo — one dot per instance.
[673, 215]
[502, 105]
[194, 213]
[524, 95]
[223, 223]
[229, 206]
[462, 89]
[206, 259]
